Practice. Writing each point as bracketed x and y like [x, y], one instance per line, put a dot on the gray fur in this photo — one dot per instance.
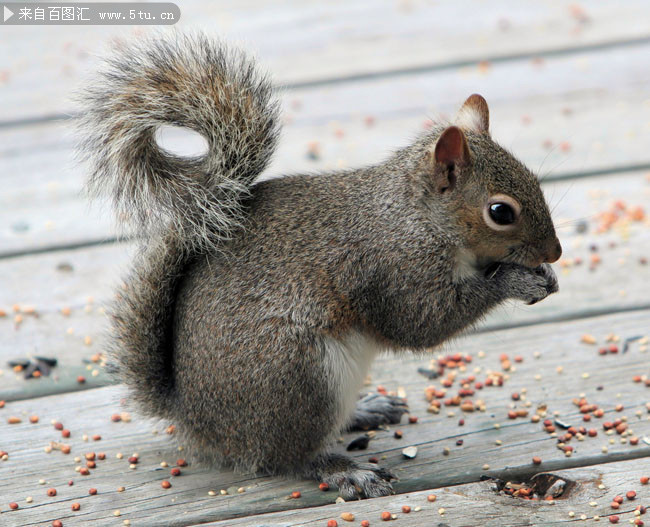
[229, 333]
[191, 82]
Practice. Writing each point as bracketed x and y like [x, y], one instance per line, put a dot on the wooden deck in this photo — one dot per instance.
[569, 92]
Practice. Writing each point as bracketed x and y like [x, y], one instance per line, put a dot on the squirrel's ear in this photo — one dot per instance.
[451, 153]
[474, 115]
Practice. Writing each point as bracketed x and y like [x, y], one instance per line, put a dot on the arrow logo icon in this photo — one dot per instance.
[8, 13]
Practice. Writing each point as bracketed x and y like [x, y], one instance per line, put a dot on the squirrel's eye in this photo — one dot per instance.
[502, 214]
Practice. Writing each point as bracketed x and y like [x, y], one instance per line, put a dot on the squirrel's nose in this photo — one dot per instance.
[553, 252]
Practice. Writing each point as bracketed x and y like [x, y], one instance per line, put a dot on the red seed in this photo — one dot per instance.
[175, 471]
[592, 432]
[634, 440]
[33, 419]
[65, 432]
[639, 522]
[165, 484]
[51, 492]
[512, 414]
[296, 494]
[90, 464]
[13, 505]
[645, 480]
[630, 495]
[65, 449]
[57, 523]
[81, 379]
[386, 516]
[96, 437]
[75, 507]
[70, 483]
[84, 471]
[101, 456]
[324, 487]
[614, 505]
[537, 460]
[618, 499]
[406, 509]
[181, 463]
[365, 523]
[133, 460]
[90, 456]
[621, 428]
[413, 419]
[332, 523]
[92, 491]
[58, 426]
[398, 434]
[613, 519]
[116, 418]
[373, 460]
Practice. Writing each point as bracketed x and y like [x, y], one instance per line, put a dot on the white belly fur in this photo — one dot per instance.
[347, 362]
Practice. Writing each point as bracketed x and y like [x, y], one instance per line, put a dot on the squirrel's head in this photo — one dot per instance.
[498, 203]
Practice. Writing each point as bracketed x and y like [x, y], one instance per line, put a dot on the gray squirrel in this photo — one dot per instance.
[253, 310]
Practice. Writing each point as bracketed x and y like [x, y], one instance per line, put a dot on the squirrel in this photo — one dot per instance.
[254, 309]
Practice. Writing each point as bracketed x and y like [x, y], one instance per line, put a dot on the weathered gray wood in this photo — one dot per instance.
[306, 42]
[42, 207]
[479, 504]
[40, 282]
[187, 502]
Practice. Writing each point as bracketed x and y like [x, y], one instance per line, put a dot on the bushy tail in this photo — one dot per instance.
[182, 206]
[186, 81]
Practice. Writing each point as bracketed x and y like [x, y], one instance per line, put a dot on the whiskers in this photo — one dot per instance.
[518, 254]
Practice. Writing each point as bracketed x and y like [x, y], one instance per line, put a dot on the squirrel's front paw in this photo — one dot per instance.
[529, 285]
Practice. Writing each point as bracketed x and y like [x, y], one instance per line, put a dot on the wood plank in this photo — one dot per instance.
[590, 496]
[609, 383]
[46, 283]
[307, 42]
[551, 118]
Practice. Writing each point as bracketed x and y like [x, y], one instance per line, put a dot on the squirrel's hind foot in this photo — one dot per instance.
[354, 480]
[375, 410]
